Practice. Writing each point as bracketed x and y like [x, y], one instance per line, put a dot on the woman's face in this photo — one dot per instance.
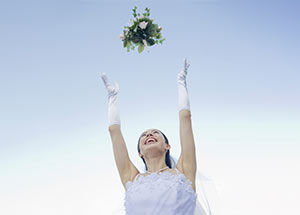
[152, 138]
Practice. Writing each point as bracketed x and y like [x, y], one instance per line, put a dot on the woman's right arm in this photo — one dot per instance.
[126, 168]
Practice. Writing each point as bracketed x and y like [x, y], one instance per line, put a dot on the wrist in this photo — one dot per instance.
[183, 99]
[185, 113]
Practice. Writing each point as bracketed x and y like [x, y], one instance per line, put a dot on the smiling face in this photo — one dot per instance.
[152, 141]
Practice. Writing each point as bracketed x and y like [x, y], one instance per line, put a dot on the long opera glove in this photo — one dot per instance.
[113, 91]
[183, 98]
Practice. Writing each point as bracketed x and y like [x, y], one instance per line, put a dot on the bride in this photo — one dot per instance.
[164, 189]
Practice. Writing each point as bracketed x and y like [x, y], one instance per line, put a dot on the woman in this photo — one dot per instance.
[162, 189]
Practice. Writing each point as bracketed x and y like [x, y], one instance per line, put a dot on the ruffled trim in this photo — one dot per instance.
[151, 181]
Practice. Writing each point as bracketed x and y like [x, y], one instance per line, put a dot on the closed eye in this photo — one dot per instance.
[144, 134]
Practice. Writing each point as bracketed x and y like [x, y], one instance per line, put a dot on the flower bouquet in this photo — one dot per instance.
[141, 32]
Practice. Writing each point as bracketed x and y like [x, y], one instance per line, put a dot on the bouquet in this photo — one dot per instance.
[141, 32]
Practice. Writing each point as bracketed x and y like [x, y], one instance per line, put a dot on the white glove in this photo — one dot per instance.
[113, 112]
[183, 98]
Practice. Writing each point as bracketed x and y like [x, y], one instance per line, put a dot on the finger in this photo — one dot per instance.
[182, 74]
[105, 79]
[187, 66]
[188, 63]
[103, 74]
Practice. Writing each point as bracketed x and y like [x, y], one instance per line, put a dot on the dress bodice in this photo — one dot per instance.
[162, 193]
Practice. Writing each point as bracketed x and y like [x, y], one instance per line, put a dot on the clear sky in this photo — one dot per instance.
[55, 150]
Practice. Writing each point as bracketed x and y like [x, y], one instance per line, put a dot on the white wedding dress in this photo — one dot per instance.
[162, 193]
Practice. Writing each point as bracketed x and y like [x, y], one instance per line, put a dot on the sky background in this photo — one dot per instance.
[55, 150]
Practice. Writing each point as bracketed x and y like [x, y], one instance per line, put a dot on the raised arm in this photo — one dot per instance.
[187, 161]
[126, 168]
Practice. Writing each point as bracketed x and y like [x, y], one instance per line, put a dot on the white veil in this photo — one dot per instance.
[207, 197]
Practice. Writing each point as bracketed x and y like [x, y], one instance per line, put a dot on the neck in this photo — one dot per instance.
[155, 164]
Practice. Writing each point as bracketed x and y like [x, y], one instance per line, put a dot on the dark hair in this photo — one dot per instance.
[167, 158]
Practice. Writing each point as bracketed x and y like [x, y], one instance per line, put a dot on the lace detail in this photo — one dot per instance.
[160, 193]
[151, 180]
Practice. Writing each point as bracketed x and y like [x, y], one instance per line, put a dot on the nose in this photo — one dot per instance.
[149, 134]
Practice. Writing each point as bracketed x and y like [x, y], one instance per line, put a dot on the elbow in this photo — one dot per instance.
[114, 127]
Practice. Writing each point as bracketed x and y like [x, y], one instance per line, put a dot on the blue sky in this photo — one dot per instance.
[243, 85]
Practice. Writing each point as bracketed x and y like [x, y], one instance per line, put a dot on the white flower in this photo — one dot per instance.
[143, 24]
[160, 28]
[121, 36]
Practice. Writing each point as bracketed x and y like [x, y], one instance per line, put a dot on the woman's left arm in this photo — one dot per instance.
[187, 161]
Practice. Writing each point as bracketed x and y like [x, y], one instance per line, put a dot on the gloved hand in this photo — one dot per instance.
[183, 98]
[113, 91]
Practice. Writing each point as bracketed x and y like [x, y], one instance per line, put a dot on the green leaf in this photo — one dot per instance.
[141, 48]
[134, 11]
[128, 45]
[161, 41]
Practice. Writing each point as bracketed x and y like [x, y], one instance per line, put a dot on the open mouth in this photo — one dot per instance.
[150, 141]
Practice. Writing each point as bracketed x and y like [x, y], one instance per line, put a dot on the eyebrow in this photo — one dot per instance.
[152, 130]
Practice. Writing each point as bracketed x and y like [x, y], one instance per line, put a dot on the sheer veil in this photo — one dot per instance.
[207, 198]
